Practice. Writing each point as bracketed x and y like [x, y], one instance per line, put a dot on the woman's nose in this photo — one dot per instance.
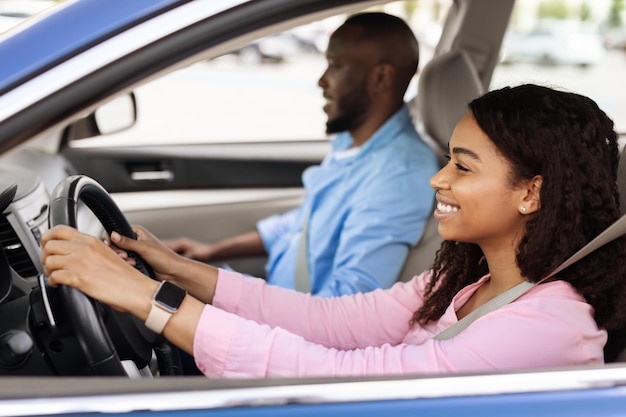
[440, 180]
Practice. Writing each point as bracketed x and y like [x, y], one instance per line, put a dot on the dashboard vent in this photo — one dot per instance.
[15, 251]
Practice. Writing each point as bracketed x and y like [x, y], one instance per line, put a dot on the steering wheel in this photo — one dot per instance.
[132, 339]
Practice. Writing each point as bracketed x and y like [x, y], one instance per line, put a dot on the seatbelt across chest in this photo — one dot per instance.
[617, 229]
[302, 278]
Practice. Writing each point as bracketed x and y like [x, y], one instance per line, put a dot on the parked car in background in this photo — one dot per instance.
[275, 49]
[147, 98]
[614, 38]
[554, 43]
[283, 46]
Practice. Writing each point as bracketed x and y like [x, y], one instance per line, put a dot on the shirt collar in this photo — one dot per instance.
[342, 142]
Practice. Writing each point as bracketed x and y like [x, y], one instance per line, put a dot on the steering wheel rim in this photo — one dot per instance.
[88, 324]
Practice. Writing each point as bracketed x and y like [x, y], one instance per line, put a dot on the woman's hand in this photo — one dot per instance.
[84, 262]
[163, 260]
[198, 278]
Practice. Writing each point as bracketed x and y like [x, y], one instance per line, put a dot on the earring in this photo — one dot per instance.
[522, 209]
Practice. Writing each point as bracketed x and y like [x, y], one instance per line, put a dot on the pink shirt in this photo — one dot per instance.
[259, 330]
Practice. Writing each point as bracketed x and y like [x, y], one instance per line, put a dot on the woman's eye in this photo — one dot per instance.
[461, 168]
[456, 164]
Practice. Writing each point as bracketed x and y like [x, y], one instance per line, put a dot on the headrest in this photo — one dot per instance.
[446, 85]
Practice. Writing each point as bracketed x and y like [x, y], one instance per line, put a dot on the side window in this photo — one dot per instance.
[265, 91]
[577, 46]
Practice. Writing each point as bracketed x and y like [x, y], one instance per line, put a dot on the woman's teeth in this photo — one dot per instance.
[447, 208]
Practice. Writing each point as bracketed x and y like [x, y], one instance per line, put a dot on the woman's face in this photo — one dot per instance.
[475, 202]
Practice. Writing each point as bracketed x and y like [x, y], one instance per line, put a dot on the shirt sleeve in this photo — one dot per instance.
[387, 219]
[540, 331]
[346, 322]
[273, 227]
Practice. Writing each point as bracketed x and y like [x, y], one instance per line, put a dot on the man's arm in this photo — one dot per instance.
[246, 244]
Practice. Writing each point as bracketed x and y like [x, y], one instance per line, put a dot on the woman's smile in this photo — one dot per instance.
[445, 208]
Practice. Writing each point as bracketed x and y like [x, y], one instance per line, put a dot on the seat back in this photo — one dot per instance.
[422, 255]
[446, 85]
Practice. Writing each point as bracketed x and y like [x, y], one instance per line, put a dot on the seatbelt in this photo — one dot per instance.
[609, 234]
[302, 279]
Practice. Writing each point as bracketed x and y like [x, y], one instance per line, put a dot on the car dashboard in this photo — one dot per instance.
[21, 226]
[31, 342]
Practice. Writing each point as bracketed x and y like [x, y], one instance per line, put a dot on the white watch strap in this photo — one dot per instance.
[157, 318]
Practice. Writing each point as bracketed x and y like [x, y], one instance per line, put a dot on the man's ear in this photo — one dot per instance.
[382, 77]
[532, 202]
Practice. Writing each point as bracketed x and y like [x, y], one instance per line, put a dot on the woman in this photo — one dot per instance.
[531, 179]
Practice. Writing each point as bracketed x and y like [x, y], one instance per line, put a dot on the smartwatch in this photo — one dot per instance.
[165, 303]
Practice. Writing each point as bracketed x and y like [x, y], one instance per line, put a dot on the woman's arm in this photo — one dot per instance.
[82, 261]
[347, 322]
[370, 319]
[198, 278]
[548, 328]
[551, 325]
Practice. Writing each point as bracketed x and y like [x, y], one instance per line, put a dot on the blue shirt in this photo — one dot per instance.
[368, 207]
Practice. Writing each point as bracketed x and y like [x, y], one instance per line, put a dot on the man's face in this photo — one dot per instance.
[345, 81]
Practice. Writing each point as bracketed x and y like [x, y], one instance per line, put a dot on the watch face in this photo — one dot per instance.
[170, 296]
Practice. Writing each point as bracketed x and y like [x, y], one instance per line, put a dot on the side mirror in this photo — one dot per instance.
[114, 116]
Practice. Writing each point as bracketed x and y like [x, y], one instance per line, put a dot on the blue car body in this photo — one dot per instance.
[43, 45]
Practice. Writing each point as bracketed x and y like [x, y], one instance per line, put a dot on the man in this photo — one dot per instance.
[366, 204]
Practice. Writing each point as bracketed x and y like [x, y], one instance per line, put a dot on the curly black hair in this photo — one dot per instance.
[571, 143]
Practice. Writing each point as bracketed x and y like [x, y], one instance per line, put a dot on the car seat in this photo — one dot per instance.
[446, 85]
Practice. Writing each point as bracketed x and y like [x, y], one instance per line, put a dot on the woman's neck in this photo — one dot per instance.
[504, 275]
[502, 266]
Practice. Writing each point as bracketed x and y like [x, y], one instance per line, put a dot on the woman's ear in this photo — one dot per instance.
[532, 202]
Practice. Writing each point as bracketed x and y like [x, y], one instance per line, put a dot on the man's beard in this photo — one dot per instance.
[352, 108]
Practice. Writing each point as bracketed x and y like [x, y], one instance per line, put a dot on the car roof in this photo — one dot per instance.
[36, 47]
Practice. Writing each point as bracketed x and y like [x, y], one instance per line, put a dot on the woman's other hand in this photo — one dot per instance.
[84, 262]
